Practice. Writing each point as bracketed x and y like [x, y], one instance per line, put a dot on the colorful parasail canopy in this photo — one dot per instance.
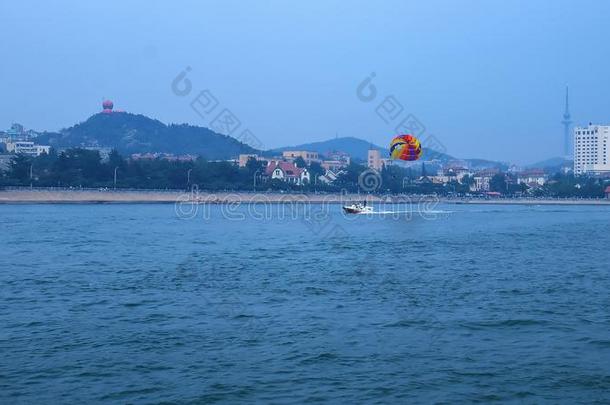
[405, 147]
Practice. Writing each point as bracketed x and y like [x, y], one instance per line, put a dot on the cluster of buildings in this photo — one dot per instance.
[18, 140]
[286, 168]
[480, 180]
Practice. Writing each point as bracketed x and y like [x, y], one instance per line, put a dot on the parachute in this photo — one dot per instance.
[405, 147]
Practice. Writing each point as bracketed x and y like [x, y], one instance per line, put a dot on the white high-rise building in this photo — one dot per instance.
[591, 149]
[375, 161]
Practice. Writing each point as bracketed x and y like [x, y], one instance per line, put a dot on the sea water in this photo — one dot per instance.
[147, 304]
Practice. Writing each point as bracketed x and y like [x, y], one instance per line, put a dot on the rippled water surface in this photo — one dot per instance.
[131, 304]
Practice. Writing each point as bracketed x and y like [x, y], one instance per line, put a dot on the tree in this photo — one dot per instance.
[253, 165]
[300, 162]
[19, 168]
[467, 180]
[315, 170]
[79, 167]
[116, 160]
[498, 183]
[349, 178]
[393, 178]
[524, 187]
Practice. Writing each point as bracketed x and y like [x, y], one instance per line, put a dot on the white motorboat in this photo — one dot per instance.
[357, 208]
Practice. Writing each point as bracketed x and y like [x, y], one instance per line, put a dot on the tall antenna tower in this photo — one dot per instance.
[566, 127]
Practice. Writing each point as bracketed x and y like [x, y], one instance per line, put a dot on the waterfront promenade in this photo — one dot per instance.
[91, 196]
[59, 196]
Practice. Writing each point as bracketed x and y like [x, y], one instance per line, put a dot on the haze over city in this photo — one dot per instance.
[487, 79]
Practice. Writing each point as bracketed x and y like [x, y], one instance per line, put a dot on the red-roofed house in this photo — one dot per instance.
[288, 172]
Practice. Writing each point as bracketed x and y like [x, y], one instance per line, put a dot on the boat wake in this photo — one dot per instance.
[404, 212]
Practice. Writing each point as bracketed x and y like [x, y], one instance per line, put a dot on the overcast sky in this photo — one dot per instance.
[486, 78]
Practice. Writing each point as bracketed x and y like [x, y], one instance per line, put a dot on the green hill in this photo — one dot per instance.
[136, 133]
[131, 133]
[355, 147]
[554, 164]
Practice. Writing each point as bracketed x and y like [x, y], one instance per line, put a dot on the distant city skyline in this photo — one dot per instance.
[484, 81]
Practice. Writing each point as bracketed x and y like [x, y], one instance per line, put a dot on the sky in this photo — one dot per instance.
[486, 79]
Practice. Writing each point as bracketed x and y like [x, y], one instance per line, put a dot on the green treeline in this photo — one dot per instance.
[85, 168]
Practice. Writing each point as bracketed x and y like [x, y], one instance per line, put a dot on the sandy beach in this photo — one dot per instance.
[41, 196]
[50, 196]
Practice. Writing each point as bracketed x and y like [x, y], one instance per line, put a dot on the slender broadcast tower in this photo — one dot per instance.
[566, 127]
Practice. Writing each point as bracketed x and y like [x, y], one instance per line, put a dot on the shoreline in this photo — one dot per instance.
[42, 196]
[169, 197]
[525, 201]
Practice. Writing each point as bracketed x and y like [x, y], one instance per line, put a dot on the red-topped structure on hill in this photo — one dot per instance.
[107, 106]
